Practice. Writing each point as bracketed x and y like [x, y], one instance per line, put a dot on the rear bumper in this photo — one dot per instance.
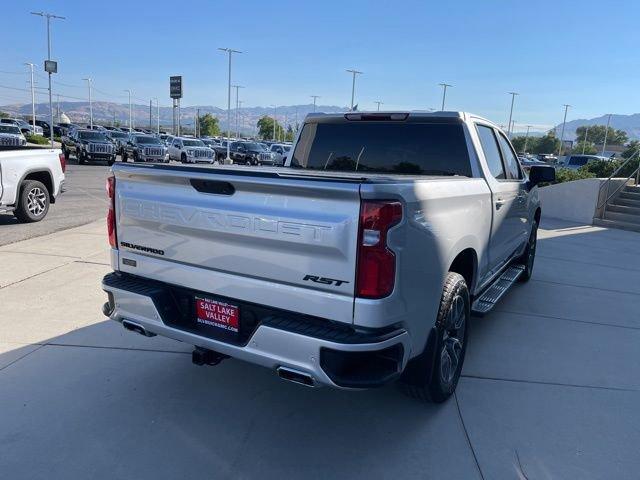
[333, 355]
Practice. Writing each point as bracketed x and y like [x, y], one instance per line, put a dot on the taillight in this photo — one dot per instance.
[111, 214]
[376, 273]
[63, 162]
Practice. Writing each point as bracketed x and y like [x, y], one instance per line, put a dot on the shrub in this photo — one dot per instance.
[568, 175]
[37, 139]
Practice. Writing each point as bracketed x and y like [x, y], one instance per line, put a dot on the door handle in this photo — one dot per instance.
[499, 203]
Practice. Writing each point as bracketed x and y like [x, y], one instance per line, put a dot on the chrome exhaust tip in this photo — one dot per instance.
[296, 376]
[134, 327]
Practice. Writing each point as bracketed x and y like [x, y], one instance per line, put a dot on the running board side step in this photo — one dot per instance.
[501, 285]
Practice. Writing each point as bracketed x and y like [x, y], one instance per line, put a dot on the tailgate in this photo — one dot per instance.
[257, 236]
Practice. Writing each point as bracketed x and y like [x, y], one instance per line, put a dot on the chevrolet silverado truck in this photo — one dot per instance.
[359, 264]
[31, 178]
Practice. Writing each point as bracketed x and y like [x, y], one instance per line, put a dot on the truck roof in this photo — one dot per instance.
[453, 116]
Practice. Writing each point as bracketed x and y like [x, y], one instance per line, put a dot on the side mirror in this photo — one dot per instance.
[541, 174]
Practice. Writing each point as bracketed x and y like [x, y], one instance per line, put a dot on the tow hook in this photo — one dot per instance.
[203, 356]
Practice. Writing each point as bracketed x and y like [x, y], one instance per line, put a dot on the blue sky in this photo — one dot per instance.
[551, 52]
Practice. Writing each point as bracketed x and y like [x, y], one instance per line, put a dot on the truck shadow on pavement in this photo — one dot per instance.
[77, 407]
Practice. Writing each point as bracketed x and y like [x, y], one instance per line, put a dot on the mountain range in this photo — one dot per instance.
[107, 112]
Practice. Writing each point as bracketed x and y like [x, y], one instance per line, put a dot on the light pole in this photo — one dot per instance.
[49, 16]
[237, 87]
[130, 124]
[606, 132]
[33, 100]
[378, 103]
[353, 84]
[158, 107]
[513, 98]
[584, 142]
[315, 97]
[566, 108]
[88, 80]
[240, 102]
[230, 53]
[274, 122]
[526, 139]
[444, 93]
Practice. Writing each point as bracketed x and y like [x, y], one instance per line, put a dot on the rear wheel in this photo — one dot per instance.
[529, 256]
[434, 374]
[33, 203]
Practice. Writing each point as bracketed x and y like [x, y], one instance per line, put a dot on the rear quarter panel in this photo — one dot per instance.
[441, 217]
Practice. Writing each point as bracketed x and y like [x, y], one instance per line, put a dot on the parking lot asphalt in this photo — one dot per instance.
[84, 201]
[550, 387]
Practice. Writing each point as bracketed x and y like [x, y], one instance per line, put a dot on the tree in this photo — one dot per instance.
[596, 134]
[547, 144]
[208, 125]
[4, 115]
[632, 149]
[265, 128]
[518, 143]
[290, 134]
[589, 148]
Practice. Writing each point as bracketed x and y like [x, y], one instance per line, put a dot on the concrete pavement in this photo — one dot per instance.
[550, 387]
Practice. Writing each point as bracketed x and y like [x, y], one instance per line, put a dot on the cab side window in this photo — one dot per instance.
[510, 158]
[491, 152]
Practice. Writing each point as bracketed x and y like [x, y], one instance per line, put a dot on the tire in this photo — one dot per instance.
[65, 152]
[33, 202]
[135, 157]
[183, 158]
[124, 157]
[433, 375]
[529, 256]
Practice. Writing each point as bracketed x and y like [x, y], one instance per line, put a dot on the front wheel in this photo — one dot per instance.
[33, 203]
[183, 158]
[529, 256]
[433, 375]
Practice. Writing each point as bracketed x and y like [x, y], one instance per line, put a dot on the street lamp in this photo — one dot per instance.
[49, 16]
[158, 107]
[88, 80]
[33, 100]
[315, 97]
[526, 139]
[237, 87]
[513, 97]
[604, 145]
[584, 142]
[353, 84]
[274, 122]
[130, 124]
[564, 121]
[230, 52]
[444, 93]
[378, 103]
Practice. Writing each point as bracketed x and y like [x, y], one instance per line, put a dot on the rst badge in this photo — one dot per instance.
[324, 280]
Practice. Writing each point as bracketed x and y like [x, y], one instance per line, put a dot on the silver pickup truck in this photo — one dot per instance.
[358, 265]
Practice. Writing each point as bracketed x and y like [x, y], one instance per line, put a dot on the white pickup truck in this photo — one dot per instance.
[31, 178]
[358, 265]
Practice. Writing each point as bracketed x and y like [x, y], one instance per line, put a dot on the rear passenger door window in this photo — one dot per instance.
[510, 159]
[491, 152]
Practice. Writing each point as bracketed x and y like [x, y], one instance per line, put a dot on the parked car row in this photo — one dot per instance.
[25, 127]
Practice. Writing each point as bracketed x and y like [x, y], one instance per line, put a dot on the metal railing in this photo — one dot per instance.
[606, 185]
